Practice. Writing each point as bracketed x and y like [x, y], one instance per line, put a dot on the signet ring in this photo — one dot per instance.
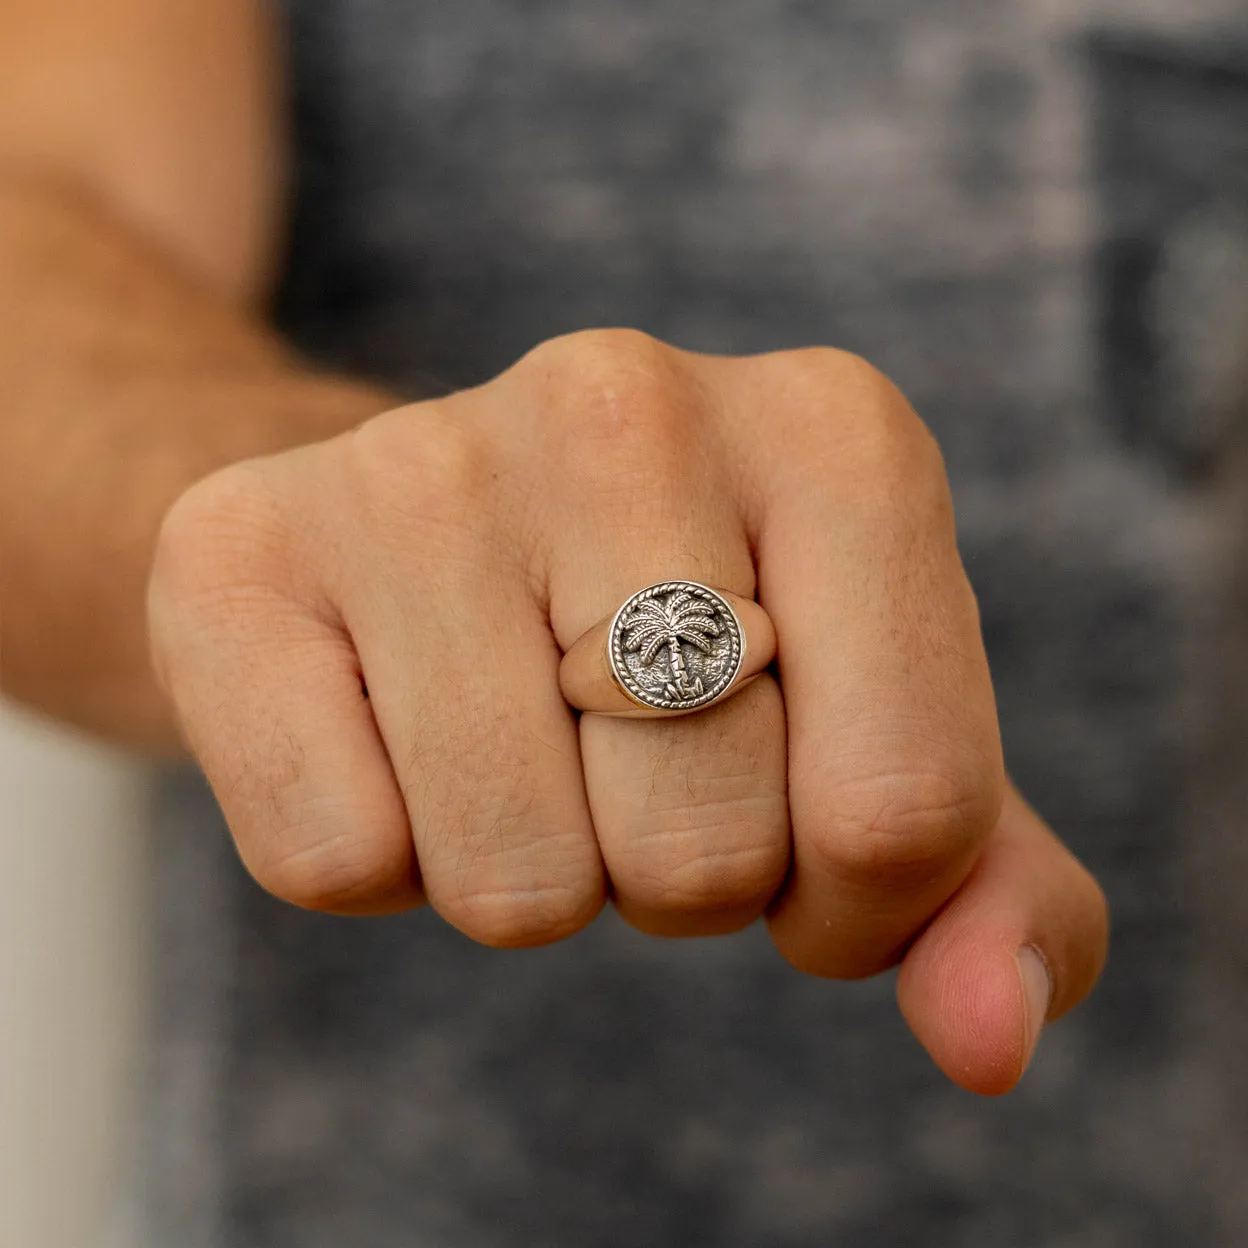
[672, 648]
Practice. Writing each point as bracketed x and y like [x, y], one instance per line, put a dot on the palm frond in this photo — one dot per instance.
[709, 627]
[693, 610]
[653, 646]
[642, 634]
[695, 639]
[649, 610]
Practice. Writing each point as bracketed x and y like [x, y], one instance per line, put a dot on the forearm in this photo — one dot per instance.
[123, 382]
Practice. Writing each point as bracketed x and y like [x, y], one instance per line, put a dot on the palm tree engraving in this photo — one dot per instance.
[652, 625]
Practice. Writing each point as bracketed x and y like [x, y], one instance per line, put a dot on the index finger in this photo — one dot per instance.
[895, 770]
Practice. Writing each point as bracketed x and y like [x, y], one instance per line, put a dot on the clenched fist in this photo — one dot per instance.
[362, 639]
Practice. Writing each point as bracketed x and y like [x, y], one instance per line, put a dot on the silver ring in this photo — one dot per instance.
[671, 648]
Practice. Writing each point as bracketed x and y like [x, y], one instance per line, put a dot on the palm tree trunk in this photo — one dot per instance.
[679, 671]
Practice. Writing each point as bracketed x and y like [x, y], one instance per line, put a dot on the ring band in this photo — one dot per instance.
[672, 648]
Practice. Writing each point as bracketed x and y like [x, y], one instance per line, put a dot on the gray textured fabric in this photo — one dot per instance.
[915, 183]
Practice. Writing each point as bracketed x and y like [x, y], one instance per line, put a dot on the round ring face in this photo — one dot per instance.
[676, 646]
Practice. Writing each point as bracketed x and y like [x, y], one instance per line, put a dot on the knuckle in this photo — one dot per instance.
[505, 844]
[421, 462]
[333, 872]
[519, 918]
[820, 375]
[222, 534]
[604, 391]
[716, 879]
[906, 830]
[596, 350]
[218, 516]
[848, 418]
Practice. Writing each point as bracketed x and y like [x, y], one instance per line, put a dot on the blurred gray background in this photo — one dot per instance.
[1035, 217]
[1032, 216]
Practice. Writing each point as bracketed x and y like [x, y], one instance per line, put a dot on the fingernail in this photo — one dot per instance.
[1036, 991]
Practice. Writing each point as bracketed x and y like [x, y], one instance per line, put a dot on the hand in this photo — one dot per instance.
[362, 639]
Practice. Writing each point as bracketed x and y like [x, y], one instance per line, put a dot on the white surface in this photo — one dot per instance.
[73, 821]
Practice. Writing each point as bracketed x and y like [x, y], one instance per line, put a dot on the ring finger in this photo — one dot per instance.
[691, 813]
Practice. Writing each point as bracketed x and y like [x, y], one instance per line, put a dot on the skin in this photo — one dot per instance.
[356, 609]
